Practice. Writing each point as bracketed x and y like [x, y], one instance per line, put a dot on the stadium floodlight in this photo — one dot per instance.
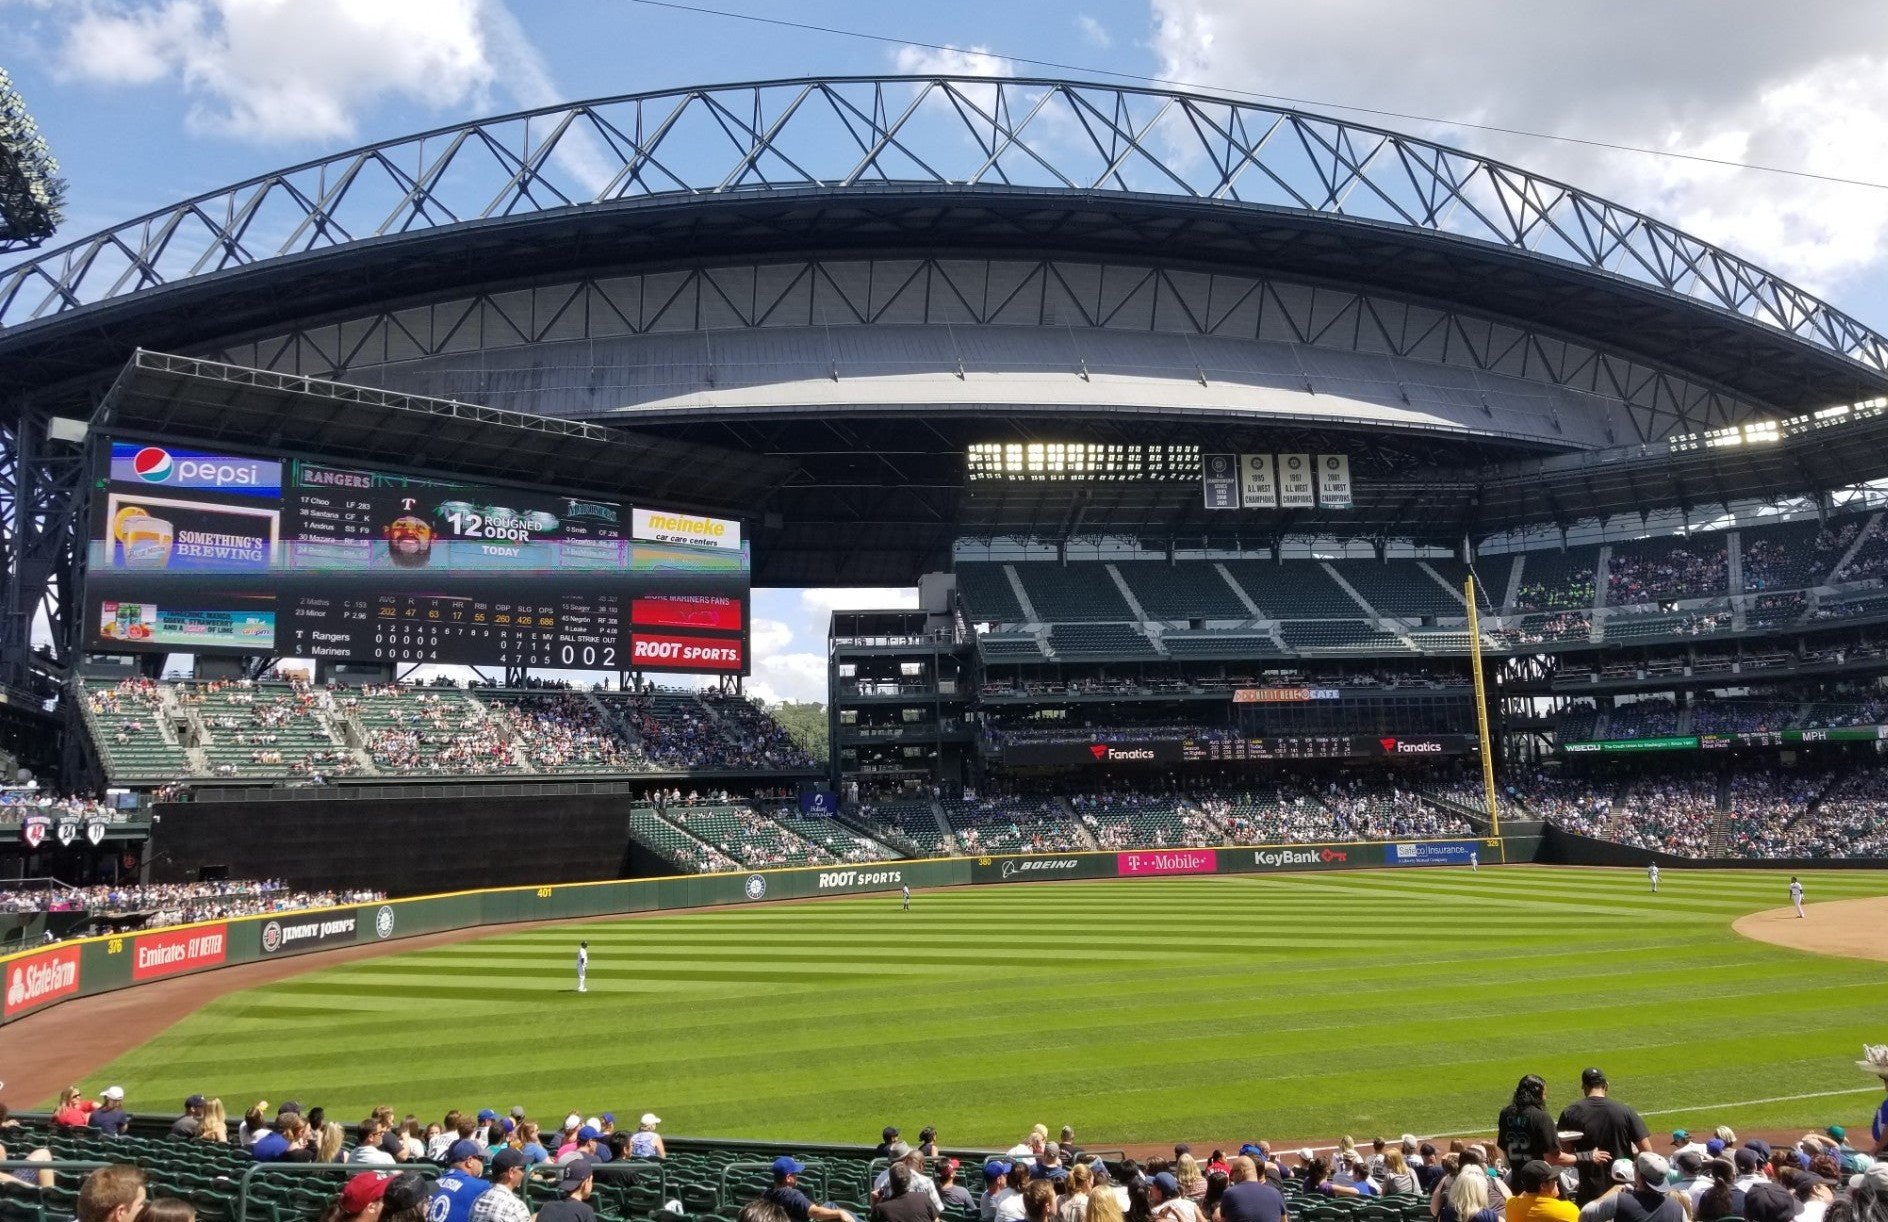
[32, 195]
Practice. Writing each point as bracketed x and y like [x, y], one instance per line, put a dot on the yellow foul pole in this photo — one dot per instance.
[1481, 707]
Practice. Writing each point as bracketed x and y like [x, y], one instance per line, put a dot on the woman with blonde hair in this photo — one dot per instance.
[1103, 1205]
[1191, 1179]
[215, 1125]
[1074, 1206]
[74, 1110]
[1398, 1179]
[328, 1146]
[1468, 1199]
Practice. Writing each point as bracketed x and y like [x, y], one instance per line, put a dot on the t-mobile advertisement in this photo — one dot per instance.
[1170, 861]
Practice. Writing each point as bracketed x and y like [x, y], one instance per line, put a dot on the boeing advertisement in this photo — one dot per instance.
[201, 552]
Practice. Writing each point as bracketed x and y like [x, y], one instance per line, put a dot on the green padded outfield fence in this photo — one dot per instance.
[86, 967]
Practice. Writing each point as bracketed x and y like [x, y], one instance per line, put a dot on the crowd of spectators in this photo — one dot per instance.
[178, 903]
[567, 732]
[1762, 807]
[1671, 570]
[1547, 629]
[1572, 592]
[31, 800]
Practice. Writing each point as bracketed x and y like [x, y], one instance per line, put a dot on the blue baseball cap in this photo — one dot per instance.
[1714, 1147]
[786, 1164]
[586, 1133]
[487, 1114]
[1252, 1150]
[463, 1149]
[1169, 1186]
[996, 1167]
[609, 1118]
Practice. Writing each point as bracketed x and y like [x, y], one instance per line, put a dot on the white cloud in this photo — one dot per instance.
[870, 598]
[266, 70]
[770, 636]
[1772, 84]
[951, 61]
[798, 677]
[1095, 32]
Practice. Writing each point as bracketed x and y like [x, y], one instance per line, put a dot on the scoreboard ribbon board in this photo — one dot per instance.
[196, 552]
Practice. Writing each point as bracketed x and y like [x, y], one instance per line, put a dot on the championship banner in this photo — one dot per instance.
[67, 833]
[1296, 487]
[95, 832]
[34, 829]
[1258, 482]
[1219, 478]
[1334, 481]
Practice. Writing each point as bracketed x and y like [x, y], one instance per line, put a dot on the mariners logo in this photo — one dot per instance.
[756, 887]
[272, 937]
[383, 922]
[152, 464]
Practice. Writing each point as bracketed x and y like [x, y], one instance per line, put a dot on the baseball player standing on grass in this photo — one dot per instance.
[907, 892]
[1796, 895]
[1474, 862]
[1652, 872]
[583, 965]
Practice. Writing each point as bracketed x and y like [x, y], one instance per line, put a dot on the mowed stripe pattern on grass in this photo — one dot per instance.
[1274, 1005]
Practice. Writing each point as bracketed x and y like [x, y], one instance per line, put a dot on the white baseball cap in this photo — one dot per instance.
[651, 1118]
[572, 1121]
[594, 1123]
[112, 1092]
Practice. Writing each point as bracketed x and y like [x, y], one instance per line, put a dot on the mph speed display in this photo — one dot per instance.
[206, 552]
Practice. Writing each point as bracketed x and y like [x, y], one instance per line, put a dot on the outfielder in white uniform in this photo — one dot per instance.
[1474, 862]
[907, 891]
[583, 965]
[1796, 895]
[1652, 872]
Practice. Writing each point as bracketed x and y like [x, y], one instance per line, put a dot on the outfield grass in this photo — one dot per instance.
[1286, 1006]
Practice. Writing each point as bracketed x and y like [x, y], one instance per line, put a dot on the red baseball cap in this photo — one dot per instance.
[363, 1190]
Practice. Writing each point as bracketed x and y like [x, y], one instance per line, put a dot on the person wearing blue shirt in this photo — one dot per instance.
[799, 1207]
[462, 1184]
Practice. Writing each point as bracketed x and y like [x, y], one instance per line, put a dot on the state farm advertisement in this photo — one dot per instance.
[1172, 861]
[712, 612]
[672, 651]
[36, 980]
[154, 955]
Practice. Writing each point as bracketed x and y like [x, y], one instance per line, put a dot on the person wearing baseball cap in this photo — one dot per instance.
[583, 1145]
[362, 1192]
[881, 1150]
[110, 1115]
[1648, 1199]
[1607, 1129]
[916, 1181]
[949, 1190]
[645, 1142]
[785, 1192]
[459, 1188]
[1539, 1198]
[188, 1124]
[574, 1186]
[502, 1202]
[1001, 1201]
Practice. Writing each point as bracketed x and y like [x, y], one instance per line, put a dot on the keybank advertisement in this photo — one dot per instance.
[1433, 853]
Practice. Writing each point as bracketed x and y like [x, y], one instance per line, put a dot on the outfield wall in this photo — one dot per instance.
[36, 980]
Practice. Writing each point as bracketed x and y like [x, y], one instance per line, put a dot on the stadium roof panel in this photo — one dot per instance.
[186, 398]
[924, 164]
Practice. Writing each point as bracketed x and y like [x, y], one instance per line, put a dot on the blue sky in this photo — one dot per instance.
[145, 102]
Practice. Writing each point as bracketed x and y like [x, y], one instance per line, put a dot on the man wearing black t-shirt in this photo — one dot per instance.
[1604, 1124]
[573, 1193]
[1647, 1200]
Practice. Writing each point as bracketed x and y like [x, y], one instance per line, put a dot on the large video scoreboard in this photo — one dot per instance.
[197, 552]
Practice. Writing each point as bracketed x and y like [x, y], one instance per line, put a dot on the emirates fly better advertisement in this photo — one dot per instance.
[200, 552]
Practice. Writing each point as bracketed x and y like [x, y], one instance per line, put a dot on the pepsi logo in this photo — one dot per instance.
[152, 464]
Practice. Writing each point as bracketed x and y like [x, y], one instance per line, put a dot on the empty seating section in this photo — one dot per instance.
[1553, 580]
[998, 648]
[1491, 578]
[1650, 569]
[1073, 593]
[1433, 640]
[1338, 636]
[1186, 591]
[911, 820]
[674, 845]
[1297, 590]
[987, 595]
[746, 835]
[1399, 588]
[1099, 640]
[1220, 645]
[1011, 825]
[128, 723]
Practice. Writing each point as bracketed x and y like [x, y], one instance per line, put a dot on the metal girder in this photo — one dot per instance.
[878, 134]
[42, 497]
